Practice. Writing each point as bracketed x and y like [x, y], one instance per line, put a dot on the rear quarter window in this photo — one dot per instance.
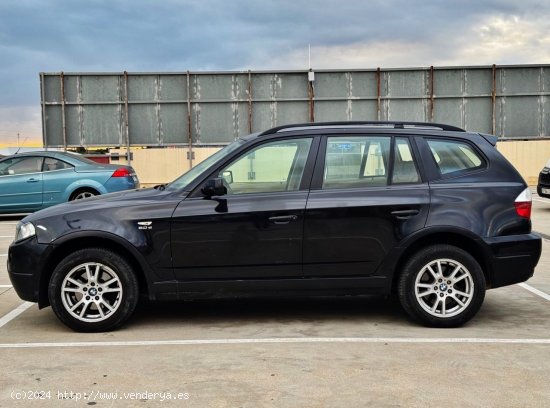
[455, 157]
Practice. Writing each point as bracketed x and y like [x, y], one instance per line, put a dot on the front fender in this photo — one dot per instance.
[74, 241]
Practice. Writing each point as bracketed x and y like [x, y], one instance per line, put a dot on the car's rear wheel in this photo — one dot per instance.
[93, 290]
[82, 194]
[441, 286]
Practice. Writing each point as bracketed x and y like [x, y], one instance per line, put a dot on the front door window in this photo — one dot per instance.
[272, 167]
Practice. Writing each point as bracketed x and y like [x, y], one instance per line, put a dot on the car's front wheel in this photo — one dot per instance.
[93, 290]
[441, 286]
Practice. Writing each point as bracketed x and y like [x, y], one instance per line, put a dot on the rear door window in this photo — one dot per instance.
[404, 168]
[356, 162]
[51, 164]
[453, 156]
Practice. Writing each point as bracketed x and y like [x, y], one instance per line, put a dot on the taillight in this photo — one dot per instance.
[121, 172]
[523, 204]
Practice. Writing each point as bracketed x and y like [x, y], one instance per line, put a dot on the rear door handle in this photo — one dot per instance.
[283, 219]
[404, 214]
[32, 180]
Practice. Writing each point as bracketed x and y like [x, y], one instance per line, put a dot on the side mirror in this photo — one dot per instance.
[228, 176]
[214, 187]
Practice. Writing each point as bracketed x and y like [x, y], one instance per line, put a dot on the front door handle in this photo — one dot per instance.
[283, 219]
[404, 214]
[32, 180]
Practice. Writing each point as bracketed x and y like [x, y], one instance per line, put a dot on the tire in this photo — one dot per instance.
[93, 290]
[82, 194]
[441, 286]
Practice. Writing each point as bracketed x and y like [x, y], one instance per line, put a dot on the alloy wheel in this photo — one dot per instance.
[444, 288]
[91, 292]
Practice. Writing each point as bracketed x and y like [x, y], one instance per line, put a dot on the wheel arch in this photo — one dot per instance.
[462, 239]
[76, 241]
[83, 184]
[81, 189]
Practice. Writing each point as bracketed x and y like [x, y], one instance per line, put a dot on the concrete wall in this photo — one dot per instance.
[162, 165]
[529, 157]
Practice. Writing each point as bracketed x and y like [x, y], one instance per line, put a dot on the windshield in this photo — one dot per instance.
[187, 178]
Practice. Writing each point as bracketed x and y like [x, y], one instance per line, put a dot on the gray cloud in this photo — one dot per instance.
[176, 35]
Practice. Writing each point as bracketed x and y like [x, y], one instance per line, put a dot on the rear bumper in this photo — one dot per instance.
[513, 258]
[115, 184]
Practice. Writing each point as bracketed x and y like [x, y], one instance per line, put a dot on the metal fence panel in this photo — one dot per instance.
[218, 122]
[101, 89]
[91, 109]
[290, 112]
[334, 110]
[449, 83]
[72, 123]
[105, 132]
[407, 110]
[520, 117]
[449, 111]
[173, 124]
[53, 126]
[405, 84]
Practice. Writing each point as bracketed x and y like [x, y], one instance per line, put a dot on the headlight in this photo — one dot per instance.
[24, 230]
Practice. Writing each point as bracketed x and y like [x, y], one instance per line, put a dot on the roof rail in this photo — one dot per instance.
[396, 125]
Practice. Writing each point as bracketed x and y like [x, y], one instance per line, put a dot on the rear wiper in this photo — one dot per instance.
[160, 187]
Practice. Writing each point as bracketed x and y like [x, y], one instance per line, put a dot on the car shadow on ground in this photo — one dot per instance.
[12, 217]
[274, 310]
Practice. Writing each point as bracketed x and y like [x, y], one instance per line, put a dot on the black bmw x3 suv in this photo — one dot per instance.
[430, 212]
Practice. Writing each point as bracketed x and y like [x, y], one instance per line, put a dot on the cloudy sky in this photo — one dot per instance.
[180, 35]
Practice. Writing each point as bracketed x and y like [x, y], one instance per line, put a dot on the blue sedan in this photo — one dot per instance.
[32, 181]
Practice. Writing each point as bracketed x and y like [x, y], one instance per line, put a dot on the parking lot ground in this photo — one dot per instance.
[307, 353]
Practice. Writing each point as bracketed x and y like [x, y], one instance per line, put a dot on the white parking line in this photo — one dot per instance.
[6, 286]
[3, 254]
[14, 313]
[6, 236]
[371, 340]
[535, 291]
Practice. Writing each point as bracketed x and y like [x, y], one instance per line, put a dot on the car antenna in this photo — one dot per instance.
[19, 148]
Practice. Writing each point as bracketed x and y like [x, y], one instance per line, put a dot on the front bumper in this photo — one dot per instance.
[543, 185]
[513, 258]
[26, 260]
[543, 189]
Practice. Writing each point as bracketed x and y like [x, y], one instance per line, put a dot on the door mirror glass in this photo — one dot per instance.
[214, 187]
[228, 176]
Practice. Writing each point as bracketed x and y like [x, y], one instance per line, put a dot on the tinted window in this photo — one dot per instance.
[452, 156]
[404, 169]
[356, 162]
[51, 164]
[21, 165]
[271, 167]
[80, 158]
